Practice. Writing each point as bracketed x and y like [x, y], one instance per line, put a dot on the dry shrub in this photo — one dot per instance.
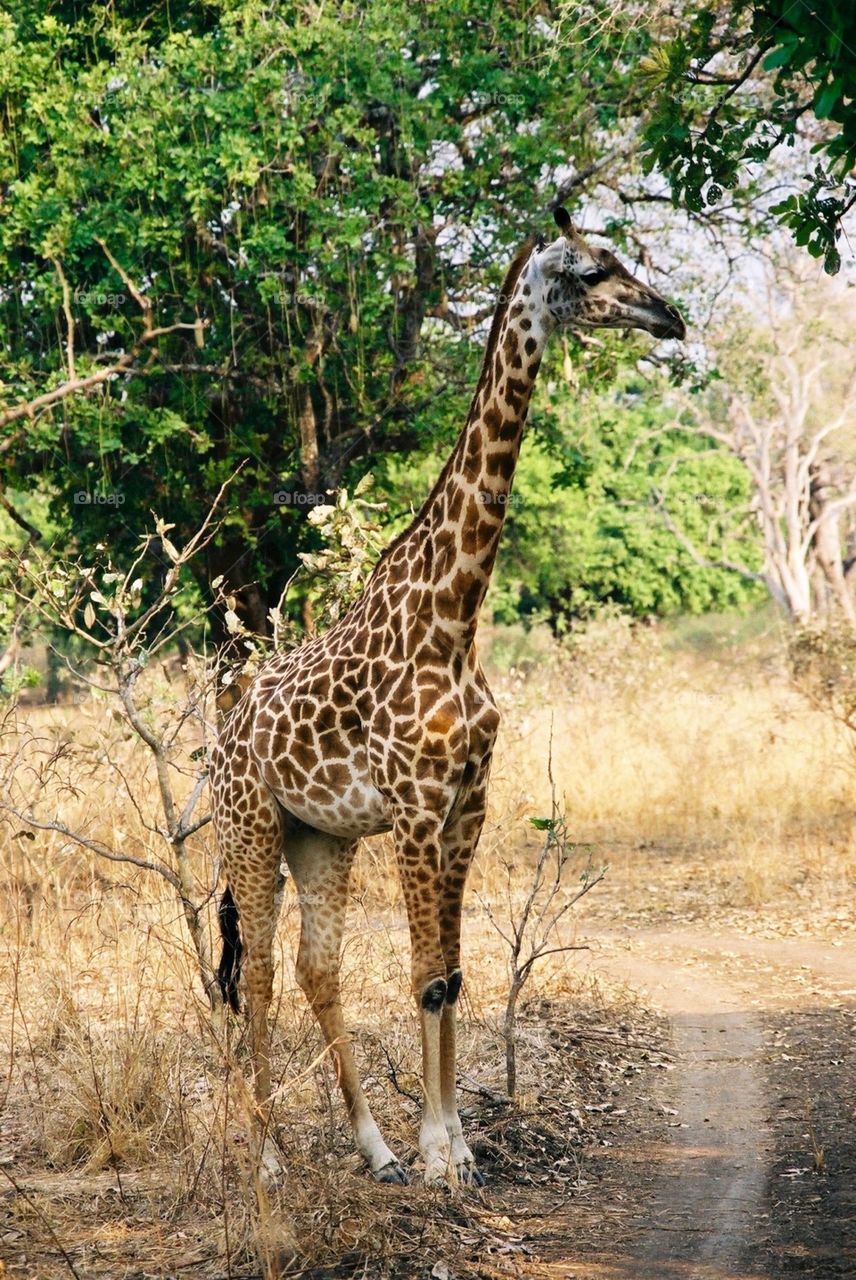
[112, 1098]
[823, 665]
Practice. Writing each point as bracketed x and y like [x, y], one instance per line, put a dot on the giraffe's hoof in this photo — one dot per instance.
[393, 1174]
[469, 1175]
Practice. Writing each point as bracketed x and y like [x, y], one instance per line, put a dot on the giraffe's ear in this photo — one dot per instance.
[562, 218]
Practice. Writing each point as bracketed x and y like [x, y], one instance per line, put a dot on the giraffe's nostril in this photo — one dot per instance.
[675, 327]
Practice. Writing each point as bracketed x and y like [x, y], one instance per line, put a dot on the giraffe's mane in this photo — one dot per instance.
[512, 275]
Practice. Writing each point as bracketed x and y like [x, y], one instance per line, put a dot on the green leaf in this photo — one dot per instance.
[826, 98]
[781, 56]
[832, 261]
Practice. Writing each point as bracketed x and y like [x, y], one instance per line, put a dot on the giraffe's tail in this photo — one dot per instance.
[229, 970]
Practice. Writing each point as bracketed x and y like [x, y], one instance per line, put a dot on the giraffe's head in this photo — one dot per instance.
[588, 288]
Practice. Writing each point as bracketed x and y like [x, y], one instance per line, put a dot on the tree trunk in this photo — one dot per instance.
[509, 1032]
[827, 541]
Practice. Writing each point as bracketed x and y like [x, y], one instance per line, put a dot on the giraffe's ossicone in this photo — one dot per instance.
[386, 722]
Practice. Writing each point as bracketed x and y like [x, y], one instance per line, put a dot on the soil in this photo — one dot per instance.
[739, 1161]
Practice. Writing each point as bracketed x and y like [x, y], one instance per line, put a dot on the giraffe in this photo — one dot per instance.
[386, 722]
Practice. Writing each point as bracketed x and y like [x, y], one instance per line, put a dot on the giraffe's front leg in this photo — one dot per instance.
[459, 845]
[417, 842]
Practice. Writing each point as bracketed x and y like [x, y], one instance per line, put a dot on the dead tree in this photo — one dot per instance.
[782, 412]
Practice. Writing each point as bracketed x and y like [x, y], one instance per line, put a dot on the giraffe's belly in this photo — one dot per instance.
[348, 806]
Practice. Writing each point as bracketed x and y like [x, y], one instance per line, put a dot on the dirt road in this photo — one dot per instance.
[746, 1166]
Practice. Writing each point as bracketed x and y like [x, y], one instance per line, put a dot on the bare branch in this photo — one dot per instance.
[184, 829]
[73, 387]
[142, 301]
[732, 566]
[103, 851]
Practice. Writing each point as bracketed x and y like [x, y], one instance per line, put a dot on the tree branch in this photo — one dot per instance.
[96, 846]
[30, 407]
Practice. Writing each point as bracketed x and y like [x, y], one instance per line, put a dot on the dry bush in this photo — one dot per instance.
[111, 1098]
[823, 666]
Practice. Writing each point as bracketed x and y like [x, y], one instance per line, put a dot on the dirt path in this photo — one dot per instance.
[750, 1174]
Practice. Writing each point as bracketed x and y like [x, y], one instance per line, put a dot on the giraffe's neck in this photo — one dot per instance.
[459, 528]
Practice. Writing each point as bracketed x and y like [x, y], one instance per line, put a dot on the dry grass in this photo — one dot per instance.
[711, 763]
[707, 786]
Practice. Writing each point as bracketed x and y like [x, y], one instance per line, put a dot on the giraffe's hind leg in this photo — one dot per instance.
[248, 823]
[321, 867]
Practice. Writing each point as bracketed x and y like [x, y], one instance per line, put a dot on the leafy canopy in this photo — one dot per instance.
[736, 82]
[325, 196]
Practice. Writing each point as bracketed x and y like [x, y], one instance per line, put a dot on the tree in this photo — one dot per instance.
[240, 232]
[593, 487]
[532, 927]
[736, 83]
[784, 408]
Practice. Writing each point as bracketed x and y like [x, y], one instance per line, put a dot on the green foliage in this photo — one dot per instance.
[303, 184]
[542, 824]
[585, 528]
[12, 681]
[732, 86]
[588, 531]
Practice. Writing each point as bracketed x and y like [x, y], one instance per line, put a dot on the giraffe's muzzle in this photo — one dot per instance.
[672, 324]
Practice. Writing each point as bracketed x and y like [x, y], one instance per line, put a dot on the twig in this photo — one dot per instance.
[69, 321]
[539, 912]
[592, 1034]
[142, 301]
[482, 1091]
[96, 846]
[33, 533]
[393, 1075]
[105, 1119]
[29, 408]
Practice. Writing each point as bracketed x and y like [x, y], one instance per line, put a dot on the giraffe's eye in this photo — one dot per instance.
[594, 276]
